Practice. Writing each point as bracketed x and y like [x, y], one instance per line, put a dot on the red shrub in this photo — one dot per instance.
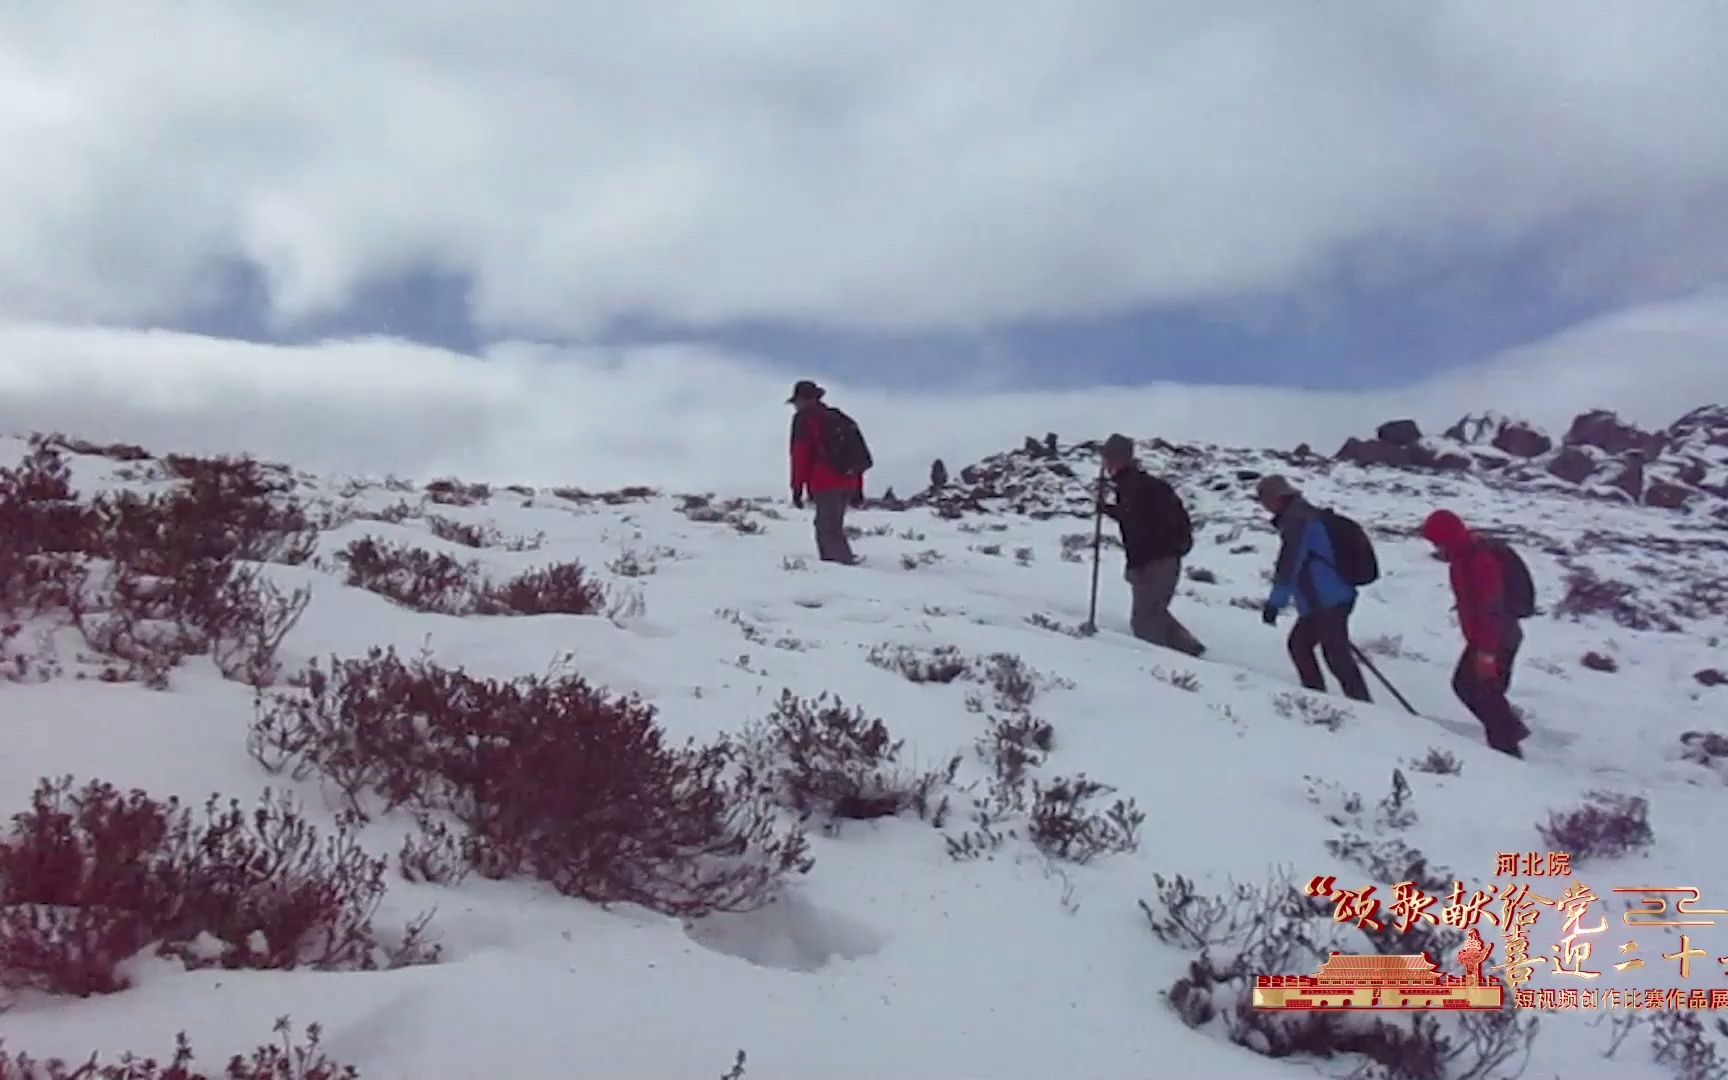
[151, 580]
[479, 536]
[88, 878]
[462, 532]
[453, 492]
[40, 522]
[233, 507]
[1587, 594]
[284, 1061]
[818, 757]
[632, 494]
[114, 451]
[562, 589]
[1610, 825]
[549, 776]
[1065, 827]
[414, 577]
[424, 581]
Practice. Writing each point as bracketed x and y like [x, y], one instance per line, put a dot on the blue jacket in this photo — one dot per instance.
[1304, 569]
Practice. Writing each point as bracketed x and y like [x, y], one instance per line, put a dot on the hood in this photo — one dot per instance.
[1446, 531]
[1294, 512]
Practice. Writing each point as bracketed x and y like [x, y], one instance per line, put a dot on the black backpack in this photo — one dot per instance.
[1171, 509]
[1517, 586]
[1352, 551]
[844, 447]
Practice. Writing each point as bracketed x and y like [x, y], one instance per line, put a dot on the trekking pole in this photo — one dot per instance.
[1091, 626]
[1369, 664]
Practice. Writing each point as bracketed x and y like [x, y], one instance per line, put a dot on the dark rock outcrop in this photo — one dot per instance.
[1374, 452]
[1631, 479]
[1709, 423]
[1606, 431]
[1473, 429]
[1667, 496]
[1572, 465]
[1522, 440]
[1399, 433]
[1453, 461]
[1693, 471]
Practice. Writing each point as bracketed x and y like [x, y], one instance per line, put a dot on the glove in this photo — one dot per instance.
[1269, 615]
[798, 499]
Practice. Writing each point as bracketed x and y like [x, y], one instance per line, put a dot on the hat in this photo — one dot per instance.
[805, 390]
[1274, 487]
[1118, 448]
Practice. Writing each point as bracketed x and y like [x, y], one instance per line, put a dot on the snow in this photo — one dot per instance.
[889, 958]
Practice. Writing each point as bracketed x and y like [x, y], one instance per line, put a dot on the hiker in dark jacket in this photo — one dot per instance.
[1156, 534]
[1306, 572]
[1491, 632]
[831, 490]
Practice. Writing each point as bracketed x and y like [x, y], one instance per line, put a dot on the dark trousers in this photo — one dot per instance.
[1486, 698]
[1329, 631]
[831, 542]
[1153, 586]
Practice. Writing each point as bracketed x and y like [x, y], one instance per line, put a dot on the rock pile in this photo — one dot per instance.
[1684, 465]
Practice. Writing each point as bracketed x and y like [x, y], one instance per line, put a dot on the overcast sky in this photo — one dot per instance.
[607, 236]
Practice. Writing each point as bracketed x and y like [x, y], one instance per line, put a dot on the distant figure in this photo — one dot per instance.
[1493, 590]
[1308, 570]
[1156, 534]
[829, 460]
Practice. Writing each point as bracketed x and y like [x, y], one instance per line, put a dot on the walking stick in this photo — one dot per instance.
[1091, 626]
[1369, 664]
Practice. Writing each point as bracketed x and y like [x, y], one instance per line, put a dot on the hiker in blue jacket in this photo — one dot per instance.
[1324, 600]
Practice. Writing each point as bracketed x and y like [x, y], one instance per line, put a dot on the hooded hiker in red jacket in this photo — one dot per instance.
[1491, 631]
[812, 473]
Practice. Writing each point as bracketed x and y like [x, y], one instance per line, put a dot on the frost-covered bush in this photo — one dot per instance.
[1251, 931]
[1612, 825]
[437, 583]
[285, 1060]
[90, 876]
[148, 581]
[819, 758]
[547, 776]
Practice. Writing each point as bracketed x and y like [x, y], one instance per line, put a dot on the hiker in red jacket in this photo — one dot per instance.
[1491, 632]
[812, 473]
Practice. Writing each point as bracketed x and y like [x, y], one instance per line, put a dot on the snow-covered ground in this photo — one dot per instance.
[890, 958]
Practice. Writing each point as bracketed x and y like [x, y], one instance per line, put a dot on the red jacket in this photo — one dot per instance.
[810, 472]
[1478, 582]
[1479, 586]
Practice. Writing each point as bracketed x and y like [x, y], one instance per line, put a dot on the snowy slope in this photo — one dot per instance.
[890, 958]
